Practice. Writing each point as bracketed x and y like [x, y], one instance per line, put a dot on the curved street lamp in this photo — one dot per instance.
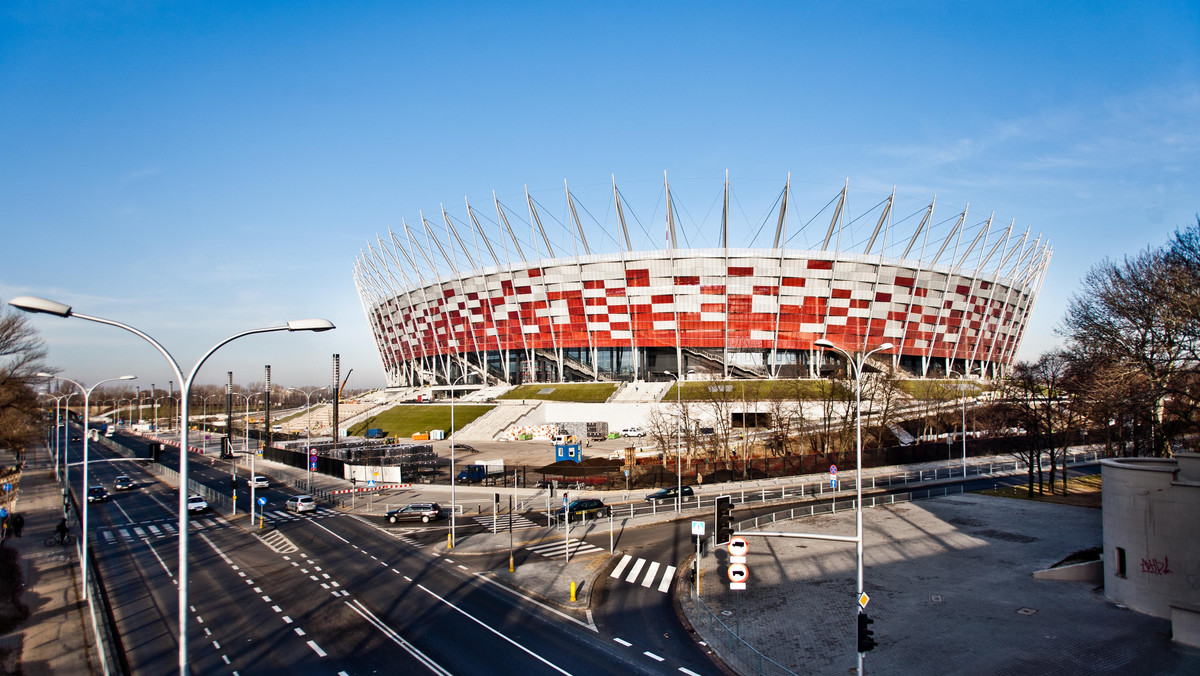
[453, 513]
[42, 305]
[87, 395]
[308, 426]
[858, 521]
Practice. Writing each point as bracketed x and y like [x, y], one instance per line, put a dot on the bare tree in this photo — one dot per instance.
[21, 357]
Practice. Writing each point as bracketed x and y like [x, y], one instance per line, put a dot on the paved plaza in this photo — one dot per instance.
[951, 590]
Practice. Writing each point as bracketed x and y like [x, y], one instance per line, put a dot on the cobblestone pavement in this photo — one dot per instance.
[951, 591]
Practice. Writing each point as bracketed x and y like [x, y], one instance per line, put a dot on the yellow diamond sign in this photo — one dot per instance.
[863, 599]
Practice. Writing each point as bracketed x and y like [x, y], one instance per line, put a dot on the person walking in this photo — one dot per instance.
[18, 524]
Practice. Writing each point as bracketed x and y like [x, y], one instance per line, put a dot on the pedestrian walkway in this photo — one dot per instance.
[153, 530]
[647, 580]
[57, 637]
[501, 523]
[280, 516]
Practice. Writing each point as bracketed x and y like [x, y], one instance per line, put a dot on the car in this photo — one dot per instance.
[123, 483]
[97, 494]
[259, 481]
[76, 437]
[417, 511]
[301, 503]
[633, 432]
[585, 507]
[669, 494]
[196, 503]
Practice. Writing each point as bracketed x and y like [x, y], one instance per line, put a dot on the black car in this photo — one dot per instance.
[123, 483]
[417, 511]
[76, 437]
[668, 494]
[97, 494]
[585, 508]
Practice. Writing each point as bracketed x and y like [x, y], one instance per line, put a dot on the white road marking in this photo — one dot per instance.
[687, 671]
[667, 578]
[476, 620]
[316, 648]
[646, 581]
[637, 568]
[622, 642]
[586, 625]
[653, 656]
[287, 620]
[621, 566]
[396, 638]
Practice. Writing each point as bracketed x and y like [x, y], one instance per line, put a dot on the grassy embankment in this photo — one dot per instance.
[405, 420]
[578, 392]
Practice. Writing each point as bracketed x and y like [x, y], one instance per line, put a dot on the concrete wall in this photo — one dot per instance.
[1152, 512]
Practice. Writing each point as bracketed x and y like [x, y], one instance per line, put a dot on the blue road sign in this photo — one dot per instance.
[371, 483]
[3, 512]
[7, 487]
[262, 501]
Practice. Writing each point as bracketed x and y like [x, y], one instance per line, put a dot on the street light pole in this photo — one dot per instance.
[307, 426]
[42, 305]
[858, 518]
[453, 478]
[83, 508]
[963, 392]
[678, 439]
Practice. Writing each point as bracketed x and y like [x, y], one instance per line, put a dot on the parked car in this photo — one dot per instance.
[417, 511]
[668, 494]
[584, 508]
[97, 494]
[259, 481]
[633, 432]
[301, 503]
[196, 503]
[123, 483]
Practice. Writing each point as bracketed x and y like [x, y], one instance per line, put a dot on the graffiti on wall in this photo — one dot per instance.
[1156, 567]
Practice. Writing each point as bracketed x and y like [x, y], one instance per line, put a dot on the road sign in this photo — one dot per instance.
[262, 501]
[371, 483]
[863, 600]
[738, 574]
[3, 512]
[738, 546]
[833, 469]
[833, 483]
[698, 528]
[7, 487]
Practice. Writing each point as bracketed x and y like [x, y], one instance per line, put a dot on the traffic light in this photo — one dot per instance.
[866, 637]
[724, 523]
[353, 480]
[233, 483]
[155, 449]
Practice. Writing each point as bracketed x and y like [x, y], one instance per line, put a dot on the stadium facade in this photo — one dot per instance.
[958, 300]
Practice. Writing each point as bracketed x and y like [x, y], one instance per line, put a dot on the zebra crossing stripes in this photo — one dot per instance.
[279, 516]
[501, 522]
[651, 573]
[555, 549]
[150, 531]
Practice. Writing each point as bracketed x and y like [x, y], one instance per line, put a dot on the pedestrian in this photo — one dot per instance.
[18, 524]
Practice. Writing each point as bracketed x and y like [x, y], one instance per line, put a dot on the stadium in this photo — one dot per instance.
[463, 299]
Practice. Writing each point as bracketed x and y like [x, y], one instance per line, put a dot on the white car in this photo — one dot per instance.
[632, 432]
[301, 503]
[259, 482]
[196, 503]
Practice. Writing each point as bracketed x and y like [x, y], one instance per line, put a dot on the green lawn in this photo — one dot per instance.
[759, 390]
[405, 420]
[581, 392]
[938, 389]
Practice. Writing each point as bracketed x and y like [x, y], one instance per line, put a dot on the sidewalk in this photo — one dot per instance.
[57, 636]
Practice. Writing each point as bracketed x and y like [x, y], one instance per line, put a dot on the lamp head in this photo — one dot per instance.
[306, 324]
[35, 304]
[45, 375]
[127, 378]
[885, 347]
[822, 342]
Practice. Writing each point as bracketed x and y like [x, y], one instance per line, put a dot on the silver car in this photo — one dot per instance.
[301, 503]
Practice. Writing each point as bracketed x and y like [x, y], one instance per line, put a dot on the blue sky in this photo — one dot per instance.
[197, 169]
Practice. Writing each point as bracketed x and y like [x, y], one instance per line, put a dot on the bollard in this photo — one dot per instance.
[449, 541]
[572, 591]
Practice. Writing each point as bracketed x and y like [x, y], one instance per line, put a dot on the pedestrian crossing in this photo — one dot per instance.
[647, 571]
[556, 548]
[501, 522]
[154, 530]
[282, 516]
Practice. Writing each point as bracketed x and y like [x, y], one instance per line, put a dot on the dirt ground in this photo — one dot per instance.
[1082, 491]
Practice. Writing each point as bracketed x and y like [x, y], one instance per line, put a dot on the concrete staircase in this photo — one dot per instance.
[636, 392]
[489, 425]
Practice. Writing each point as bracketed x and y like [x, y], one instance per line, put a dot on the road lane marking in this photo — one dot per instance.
[668, 576]
[329, 531]
[653, 656]
[464, 613]
[650, 572]
[299, 631]
[622, 642]
[160, 561]
[316, 648]
[421, 657]
[637, 568]
[118, 506]
[621, 566]
[586, 625]
[687, 671]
